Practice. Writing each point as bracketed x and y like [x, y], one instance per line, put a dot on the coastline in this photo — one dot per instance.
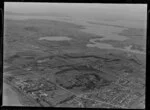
[19, 98]
[10, 97]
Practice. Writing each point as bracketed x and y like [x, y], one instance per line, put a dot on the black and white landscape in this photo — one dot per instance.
[74, 55]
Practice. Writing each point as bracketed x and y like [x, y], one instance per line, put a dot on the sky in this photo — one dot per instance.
[97, 10]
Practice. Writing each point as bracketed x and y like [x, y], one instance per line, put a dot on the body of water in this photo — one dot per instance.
[94, 43]
[10, 97]
[108, 32]
[99, 45]
[55, 38]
